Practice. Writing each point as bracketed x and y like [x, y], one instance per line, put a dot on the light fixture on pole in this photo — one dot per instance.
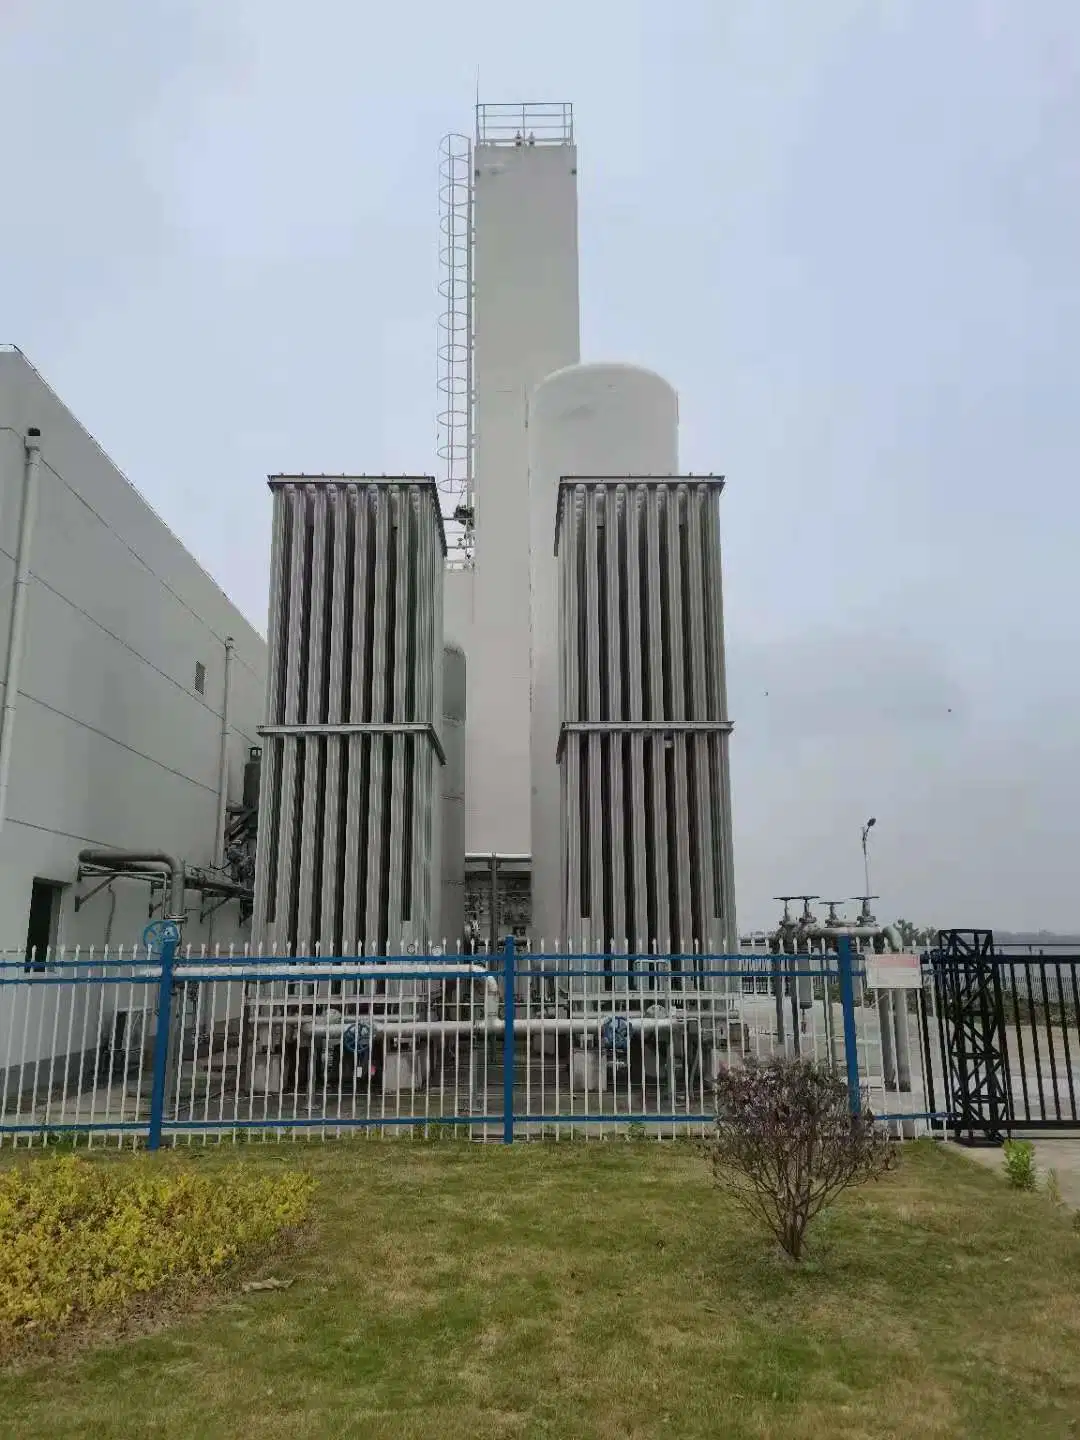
[866, 849]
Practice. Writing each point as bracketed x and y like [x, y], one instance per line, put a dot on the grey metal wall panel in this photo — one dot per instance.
[635, 711]
[614, 504]
[330, 936]
[354, 717]
[646, 811]
[265, 873]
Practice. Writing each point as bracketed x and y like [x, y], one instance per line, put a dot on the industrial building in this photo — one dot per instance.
[132, 694]
[491, 701]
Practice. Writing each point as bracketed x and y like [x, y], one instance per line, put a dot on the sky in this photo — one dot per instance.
[848, 233]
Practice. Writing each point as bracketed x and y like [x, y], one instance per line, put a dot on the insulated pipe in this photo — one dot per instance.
[17, 631]
[121, 859]
[211, 885]
[263, 972]
[494, 935]
[648, 1025]
[223, 760]
[853, 932]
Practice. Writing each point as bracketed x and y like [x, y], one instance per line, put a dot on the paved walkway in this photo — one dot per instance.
[1059, 1155]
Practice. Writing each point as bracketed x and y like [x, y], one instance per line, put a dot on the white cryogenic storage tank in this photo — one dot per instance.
[601, 420]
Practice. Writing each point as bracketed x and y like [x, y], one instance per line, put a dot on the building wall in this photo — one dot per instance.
[526, 325]
[113, 746]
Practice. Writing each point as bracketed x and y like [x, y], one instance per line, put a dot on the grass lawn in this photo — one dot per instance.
[461, 1291]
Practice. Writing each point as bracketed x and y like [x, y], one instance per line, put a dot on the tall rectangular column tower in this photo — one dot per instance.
[525, 309]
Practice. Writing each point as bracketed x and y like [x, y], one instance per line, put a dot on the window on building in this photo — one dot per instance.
[46, 898]
[200, 678]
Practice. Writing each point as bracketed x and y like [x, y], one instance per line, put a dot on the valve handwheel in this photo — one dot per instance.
[158, 933]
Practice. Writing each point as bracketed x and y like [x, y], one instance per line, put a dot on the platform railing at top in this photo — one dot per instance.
[533, 122]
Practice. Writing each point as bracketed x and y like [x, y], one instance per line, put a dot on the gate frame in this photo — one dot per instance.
[971, 1022]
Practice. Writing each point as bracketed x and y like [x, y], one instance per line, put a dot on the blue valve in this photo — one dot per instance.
[357, 1039]
[158, 934]
[615, 1034]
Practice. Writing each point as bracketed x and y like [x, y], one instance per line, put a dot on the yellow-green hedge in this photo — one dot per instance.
[79, 1239]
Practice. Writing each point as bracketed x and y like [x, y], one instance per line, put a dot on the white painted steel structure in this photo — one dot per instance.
[350, 824]
[525, 318]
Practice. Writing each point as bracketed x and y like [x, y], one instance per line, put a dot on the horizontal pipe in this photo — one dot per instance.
[131, 870]
[121, 859]
[493, 1025]
[838, 932]
[196, 878]
[211, 972]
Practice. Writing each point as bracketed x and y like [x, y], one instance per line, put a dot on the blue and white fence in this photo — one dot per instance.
[160, 1046]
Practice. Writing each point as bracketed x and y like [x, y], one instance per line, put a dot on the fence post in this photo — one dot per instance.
[161, 1041]
[509, 982]
[851, 1040]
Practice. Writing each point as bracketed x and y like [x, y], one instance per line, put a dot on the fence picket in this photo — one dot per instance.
[591, 1044]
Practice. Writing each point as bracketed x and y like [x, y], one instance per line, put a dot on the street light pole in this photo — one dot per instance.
[866, 850]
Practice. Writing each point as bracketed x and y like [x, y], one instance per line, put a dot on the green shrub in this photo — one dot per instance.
[1020, 1164]
[786, 1143]
[79, 1239]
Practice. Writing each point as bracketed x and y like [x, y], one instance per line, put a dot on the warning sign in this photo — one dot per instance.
[901, 971]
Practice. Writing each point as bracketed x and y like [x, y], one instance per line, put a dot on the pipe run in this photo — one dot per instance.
[330, 1029]
[17, 629]
[139, 862]
[492, 859]
[840, 932]
[223, 759]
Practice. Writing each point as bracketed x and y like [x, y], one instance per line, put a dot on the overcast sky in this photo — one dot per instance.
[848, 233]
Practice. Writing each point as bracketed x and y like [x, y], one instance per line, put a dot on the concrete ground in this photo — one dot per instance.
[1058, 1153]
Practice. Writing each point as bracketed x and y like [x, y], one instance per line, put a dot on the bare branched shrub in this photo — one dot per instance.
[786, 1144]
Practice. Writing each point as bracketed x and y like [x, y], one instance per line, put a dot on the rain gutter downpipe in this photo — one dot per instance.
[17, 631]
[223, 760]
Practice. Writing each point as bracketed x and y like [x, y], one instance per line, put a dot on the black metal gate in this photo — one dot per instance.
[1009, 1034]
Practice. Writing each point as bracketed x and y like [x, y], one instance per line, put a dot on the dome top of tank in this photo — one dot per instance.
[614, 370]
